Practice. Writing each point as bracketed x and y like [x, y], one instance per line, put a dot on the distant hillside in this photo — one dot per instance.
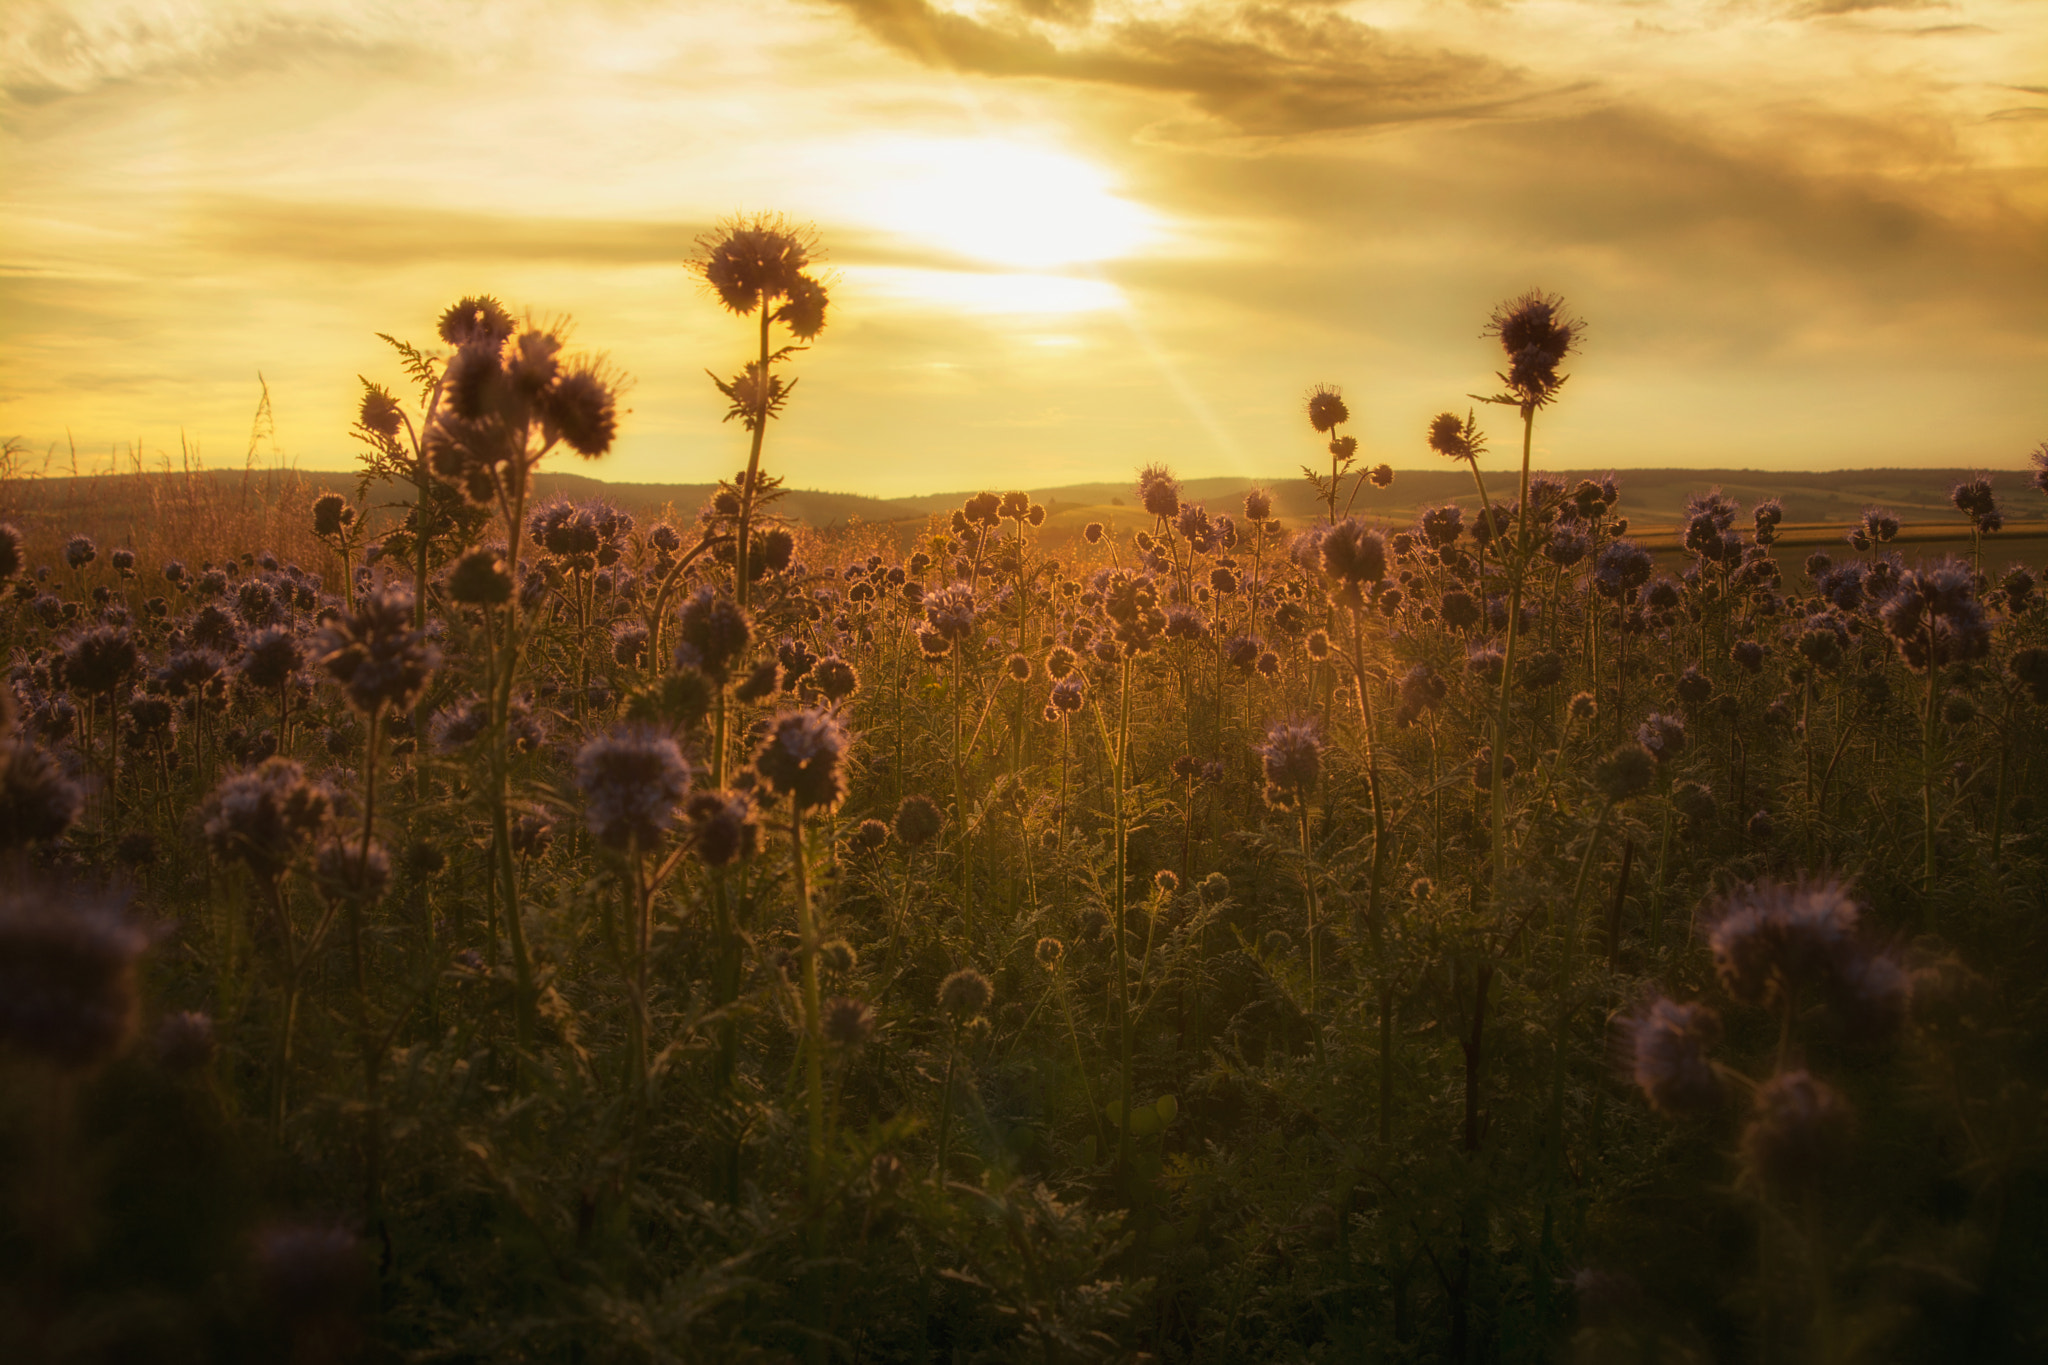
[201, 504]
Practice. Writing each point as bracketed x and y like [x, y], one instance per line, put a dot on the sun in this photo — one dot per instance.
[1003, 203]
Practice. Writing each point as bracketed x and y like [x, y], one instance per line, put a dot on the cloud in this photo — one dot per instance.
[1260, 68]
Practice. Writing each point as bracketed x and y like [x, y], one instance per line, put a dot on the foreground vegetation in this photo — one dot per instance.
[530, 933]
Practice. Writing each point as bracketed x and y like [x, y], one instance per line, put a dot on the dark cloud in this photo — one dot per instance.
[1261, 68]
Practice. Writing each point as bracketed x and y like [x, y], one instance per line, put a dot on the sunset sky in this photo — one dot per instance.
[1069, 237]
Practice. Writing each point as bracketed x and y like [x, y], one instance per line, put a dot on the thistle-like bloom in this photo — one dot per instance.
[632, 782]
[950, 612]
[752, 262]
[1159, 491]
[835, 678]
[1068, 694]
[79, 551]
[99, 659]
[1668, 1052]
[1455, 438]
[331, 513]
[965, 994]
[1537, 335]
[1292, 757]
[2038, 457]
[1799, 1134]
[264, 816]
[1326, 409]
[375, 654]
[67, 973]
[11, 543]
[1662, 735]
[273, 656]
[714, 634]
[1258, 506]
[1935, 617]
[723, 828]
[1621, 567]
[1354, 555]
[918, 820]
[346, 872]
[1771, 935]
[803, 757]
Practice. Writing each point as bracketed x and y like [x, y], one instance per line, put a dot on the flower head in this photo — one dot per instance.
[1668, 1046]
[1292, 758]
[264, 816]
[1934, 616]
[1799, 1133]
[1159, 491]
[632, 781]
[917, 820]
[381, 662]
[67, 972]
[1326, 408]
[1537, 335]
[803, 756]
[965, 994]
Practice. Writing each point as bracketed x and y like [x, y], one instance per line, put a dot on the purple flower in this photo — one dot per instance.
[632, 782]
[1292, 757]
[1668, 1047]
[1799, 1133]
[802, 757]
[67, 972]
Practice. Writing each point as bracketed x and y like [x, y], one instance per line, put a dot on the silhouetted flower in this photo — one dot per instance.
[1770, 935]
[1935, 617]
[272, 657]
[264, 816]
[1292, 759]
[917, 820]
[346, 870]
[1537, 336]
[965, 994]
[376, 655]
[1663, 736]
[67, 972]
[1353, 554]
[1326, 407]
[632, 782]
[1799, 1134]
[79, 551]
[714, 634]
[1159, 491]
[1668, 1046]
[1625, 773]
[803, 757]
[11, 543]
[847, 1022]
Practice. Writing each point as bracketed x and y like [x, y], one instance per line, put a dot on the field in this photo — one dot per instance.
[471, 912]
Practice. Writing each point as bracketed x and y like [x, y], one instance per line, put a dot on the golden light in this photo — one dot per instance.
[1006, 203]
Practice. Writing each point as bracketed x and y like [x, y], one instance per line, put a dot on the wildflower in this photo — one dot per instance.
[1771, 935]
[1459, 609]
[1326, 408]
[1668, 1045]
[1482, 771]
[1159, 492]
[1621, 567]
[1537, 336]
[67, 973]
[272, 657]
[2038, 457]
[332, 514]
[869, 837]
[1747, 655]
[264, 816]
[965, 994]
[917, 820]
[1258, 506]
[2029, 667]
[847, 1022]
[1292, 759]
[632, 782]
[950, 612]
[1167, 880]
[99, 659]
[11, 543]
[1352, 554]
[1625, 773]
[802, 756]
[1663, 736]
[347, 870]
[1582, 707]
[376, 655]
[1935, 618]
[753, 262]
[714, 634]
[1799, 1133]
[79, 551]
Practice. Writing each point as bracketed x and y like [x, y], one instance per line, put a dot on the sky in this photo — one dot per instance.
[1065, 237]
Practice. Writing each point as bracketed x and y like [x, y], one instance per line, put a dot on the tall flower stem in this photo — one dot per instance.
[1507, 667]
[814, 1038]
[1930, 738]
[744, 538]
[1308, 886]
